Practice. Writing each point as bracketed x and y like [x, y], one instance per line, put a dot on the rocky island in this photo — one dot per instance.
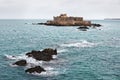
[64, 20]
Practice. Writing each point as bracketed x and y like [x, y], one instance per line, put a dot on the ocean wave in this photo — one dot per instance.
[83, 43]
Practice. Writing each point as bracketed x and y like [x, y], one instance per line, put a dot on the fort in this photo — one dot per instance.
[64, 20]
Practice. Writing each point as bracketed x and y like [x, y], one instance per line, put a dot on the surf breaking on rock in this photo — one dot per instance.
[32, 60]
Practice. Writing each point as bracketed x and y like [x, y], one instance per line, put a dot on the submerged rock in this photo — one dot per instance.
[36, 69]
[21, 63]
[45, 55]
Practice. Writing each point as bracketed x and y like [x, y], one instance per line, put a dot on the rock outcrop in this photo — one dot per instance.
[36, 69]
[45, 55]
[83, 28]
[21, 63]
[96, 25]
[50, 51]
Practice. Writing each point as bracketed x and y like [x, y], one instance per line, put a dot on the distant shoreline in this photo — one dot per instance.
[112, 19]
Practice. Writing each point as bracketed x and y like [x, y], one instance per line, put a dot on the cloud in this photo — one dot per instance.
[90, 9]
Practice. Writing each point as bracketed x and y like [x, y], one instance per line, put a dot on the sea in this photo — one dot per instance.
[82, 55]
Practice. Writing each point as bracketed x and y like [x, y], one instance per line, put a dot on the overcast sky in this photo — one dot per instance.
[89, 9]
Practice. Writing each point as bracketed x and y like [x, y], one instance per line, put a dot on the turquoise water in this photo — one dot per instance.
[82, 55]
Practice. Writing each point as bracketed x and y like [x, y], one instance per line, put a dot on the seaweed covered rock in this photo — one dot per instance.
[21, 63]
[36, 69]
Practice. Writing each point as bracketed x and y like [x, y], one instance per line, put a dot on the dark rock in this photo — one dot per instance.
[38, 55]
[96, 25]
[36, 69]
[21, 63]
[45, 55]
[50, 51]
[38, 23]
[83, 27]
[33, 53]
[41, 23]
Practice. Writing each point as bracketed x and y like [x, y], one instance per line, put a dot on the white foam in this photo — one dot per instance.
[48, 68]
[47, 73]
[16, 57]
[31, 61]
[54, 56]
[83, 43]
[13, 65]
[62, 50]
[22, 57]
[50, 73]
[10, 57]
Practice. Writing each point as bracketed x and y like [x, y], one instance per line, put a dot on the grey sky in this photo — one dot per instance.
[89, 9]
